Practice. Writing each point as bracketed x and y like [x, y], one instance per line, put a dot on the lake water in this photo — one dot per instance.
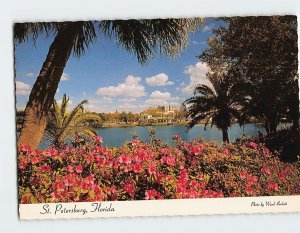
[117, 136]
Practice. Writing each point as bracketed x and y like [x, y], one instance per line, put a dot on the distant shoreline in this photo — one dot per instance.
[119, 125]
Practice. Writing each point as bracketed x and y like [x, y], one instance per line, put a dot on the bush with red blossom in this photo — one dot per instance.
[143, 171]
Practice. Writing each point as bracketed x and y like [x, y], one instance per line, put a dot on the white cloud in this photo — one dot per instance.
[174, 103]
[159, 80]
[131, 87]
[155, 102]
[105, 100]
[160, 95]
[162, 98]
[136, 108]
[197, 75]
[29, 74]
[127, 100]
[101, 101]
[22, 88]
[64, 77]
[99, 108]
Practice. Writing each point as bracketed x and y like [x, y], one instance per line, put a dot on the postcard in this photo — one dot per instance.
[153, 117]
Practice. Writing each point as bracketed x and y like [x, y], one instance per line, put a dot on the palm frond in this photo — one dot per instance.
[86, 36]
[23, 31]
[144, 37]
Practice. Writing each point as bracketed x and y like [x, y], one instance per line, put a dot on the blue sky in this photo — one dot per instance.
[112, 79]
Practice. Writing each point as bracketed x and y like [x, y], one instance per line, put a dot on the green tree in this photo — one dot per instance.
[63, 124]
[140, 37]
[219, 105]
[261, 52]
[124, 117]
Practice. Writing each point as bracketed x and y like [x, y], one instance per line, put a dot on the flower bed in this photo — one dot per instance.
[139, 171]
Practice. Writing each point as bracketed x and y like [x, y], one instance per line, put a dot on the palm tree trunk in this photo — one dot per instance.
[45, 87]
[225, 135]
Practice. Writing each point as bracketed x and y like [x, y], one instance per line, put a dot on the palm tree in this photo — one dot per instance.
[63, 124]
[219, 104]
[144, 38]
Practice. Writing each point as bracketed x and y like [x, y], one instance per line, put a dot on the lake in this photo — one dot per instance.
[118, 135]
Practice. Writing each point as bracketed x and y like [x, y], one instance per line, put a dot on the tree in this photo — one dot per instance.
[261, 52]
[140, 37]
[63, 124]
[19, 119]
[219, 104]
[124, 117]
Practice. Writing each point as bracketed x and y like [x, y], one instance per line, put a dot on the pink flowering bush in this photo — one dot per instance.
[143, 171]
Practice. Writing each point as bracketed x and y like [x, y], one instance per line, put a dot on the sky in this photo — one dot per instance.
[111, 78]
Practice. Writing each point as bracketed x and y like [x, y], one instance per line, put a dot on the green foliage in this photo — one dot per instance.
[144, 38]
[261, 53]
[219, 104]
[64, 124]
[140, 171]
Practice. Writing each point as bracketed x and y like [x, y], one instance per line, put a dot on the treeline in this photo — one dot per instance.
[253, 70]
[118, 117]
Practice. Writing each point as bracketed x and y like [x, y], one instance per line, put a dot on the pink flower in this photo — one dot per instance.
[266, 150]
[70, 168]
[171, 160]
[134, 142]
[194, 184]
[226, 152]
[79, 169]
[182, 165]
[125, 159]
[163, 159]
[266, 170]
[22, 165]
[243, 175]
[98, 190]
[128, 187]
[34, 160]
[282, 176]
[177, 137]
[98, 139]
[100, 161]
[151, 169]
[196, 149]
[140, 155]
[151, 194]
[25, 148]
[249, 190]
[179, 189]
[136, 167]
[127, 168]
[219, 194]
[252, 179]
[90, 158]
[253, 145]
[51, 152]
[183, 174]
[273, 186]
[45, 168]
[67, 181]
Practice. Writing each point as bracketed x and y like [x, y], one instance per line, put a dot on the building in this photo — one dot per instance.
[168, 108]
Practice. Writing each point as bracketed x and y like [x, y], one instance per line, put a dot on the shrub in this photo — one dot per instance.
[143, 171]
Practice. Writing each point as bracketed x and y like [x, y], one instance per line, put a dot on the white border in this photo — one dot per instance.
[238, 205]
